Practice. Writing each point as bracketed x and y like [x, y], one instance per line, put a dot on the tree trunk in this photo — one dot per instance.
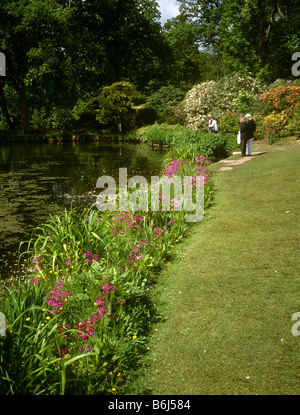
[265, 32]
[25, 124]
[19, 69]
[3, 106]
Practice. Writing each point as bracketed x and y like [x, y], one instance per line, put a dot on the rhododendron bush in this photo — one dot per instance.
[218, 97]
[282, 112]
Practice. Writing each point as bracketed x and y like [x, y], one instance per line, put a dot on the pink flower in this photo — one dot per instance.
[56, 298]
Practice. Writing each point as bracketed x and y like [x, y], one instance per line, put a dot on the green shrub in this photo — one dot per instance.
[164, 134]
[61, 119]
[229, 123]
[3, 124]
[163, 100]
[40, 119]
[116, 106]
[244, 102]
[212, 146]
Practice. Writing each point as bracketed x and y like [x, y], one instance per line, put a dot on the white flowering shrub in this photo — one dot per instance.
[217, 98]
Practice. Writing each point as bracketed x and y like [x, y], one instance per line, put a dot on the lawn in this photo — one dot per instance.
[226, 301]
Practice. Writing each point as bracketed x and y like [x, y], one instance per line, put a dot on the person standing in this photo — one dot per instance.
[212, 124]
[252, 129]
[241, 119]
[247, 132]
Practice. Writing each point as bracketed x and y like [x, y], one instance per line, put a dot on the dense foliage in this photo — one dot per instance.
[281, 115]
[217, 97]
[212, 146]
[61, 54]
[258, 36]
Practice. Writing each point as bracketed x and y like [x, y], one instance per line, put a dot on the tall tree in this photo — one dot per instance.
[120, 40]
[25, 25]
[249, 35]
[190, 62]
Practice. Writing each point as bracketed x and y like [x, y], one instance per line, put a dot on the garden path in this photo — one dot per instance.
[232, 163]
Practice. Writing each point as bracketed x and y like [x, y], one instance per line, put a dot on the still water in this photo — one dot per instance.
[39, 179]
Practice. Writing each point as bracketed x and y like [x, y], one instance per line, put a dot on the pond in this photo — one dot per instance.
[39, 179]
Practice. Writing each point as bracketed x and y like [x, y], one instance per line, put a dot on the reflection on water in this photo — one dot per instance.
[38, 179]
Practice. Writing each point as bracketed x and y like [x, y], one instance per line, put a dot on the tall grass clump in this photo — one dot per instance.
[78, 318]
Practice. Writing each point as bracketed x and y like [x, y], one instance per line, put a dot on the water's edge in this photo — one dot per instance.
[38, 179]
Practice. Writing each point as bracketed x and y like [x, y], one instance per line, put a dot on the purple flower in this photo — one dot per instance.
[56, 297]
[88, 348]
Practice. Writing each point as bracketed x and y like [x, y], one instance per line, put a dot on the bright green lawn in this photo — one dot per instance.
[228, 297]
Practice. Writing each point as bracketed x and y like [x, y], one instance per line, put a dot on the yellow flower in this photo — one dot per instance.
[48, 318]
[42, 324]
[114, 389]
[27, 319]
[134, 337]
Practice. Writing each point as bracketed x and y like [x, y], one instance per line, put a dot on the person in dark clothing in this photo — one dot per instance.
[247, 130]
[252, 129]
